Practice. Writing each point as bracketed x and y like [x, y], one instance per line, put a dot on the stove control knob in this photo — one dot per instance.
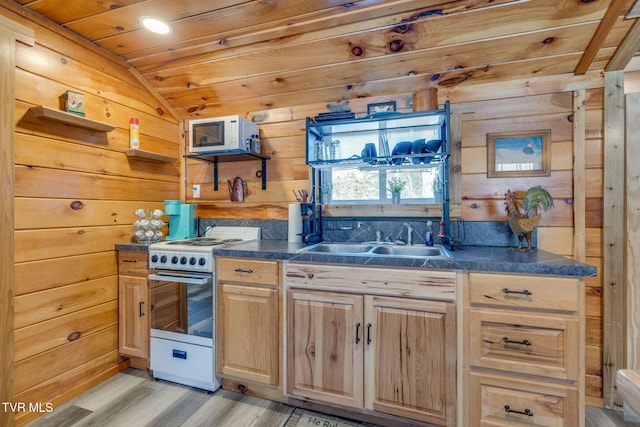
[202, 261]
[154, 258]
[174, 259]
[192, 261]
[163, 259]
[183, 260]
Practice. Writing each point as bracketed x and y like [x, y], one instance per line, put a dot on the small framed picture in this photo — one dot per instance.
[381, 107]
[521, 153]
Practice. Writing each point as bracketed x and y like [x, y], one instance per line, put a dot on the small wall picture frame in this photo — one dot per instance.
[519, 153]
[381, 107]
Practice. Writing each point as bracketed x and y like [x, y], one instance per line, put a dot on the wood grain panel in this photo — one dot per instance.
[34, 245]
[41, 306]
[478, 186]
[558, 103]
[494, 210]
[38, 182]
[41, 152]
[64, 358]
[51, 273]
[632, 231]
[475, 132]
[7, 67]
[61, 212]
[558, 240]
[594, 243]
[71, 383]
[113, 99]
[37, 338]
[346, 68]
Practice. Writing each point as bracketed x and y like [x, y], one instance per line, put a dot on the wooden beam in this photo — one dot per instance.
[608, 21]
[613, 235]
[579, 175]
[10, 32]
[627, 49]
[633, 230]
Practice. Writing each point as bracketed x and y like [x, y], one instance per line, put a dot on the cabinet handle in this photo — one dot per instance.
[140, 312]
[357, 333]
[368, 333]
[526, 412]
[240, 270]
[129, 260]
[506, 340]
[525, 292]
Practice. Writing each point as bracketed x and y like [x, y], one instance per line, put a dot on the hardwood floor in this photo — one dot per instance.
[132, 399]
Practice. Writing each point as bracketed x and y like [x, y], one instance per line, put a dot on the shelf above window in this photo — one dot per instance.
[59, 116]
[147, 155]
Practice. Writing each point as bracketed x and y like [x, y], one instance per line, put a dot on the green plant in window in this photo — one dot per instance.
[396, 184]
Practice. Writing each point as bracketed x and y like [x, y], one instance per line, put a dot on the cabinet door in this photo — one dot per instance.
[410, 358]
[133, 316]
[324, 346]
[247, 333]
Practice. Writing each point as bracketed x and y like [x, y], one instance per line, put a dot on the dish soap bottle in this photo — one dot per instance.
[428, 240]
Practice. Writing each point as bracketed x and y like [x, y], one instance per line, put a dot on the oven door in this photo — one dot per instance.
[182, 303]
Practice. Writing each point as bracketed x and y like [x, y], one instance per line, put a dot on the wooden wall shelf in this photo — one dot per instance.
[70, 119]
[148, 155]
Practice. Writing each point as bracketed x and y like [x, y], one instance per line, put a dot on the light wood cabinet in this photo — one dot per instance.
[524, 350]
[134, 309]
[247, 320]
[373, 352]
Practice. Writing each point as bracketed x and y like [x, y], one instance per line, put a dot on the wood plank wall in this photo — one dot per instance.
[75, 194]
[516, 105]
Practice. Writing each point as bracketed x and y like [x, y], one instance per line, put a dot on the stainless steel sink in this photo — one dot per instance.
[379, 249]
[342, 248]
[421, 251]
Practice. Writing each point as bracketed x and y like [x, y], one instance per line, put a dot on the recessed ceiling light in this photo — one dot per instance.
[155, 25]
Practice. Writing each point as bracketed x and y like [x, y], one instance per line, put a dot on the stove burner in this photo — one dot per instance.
[203, 241]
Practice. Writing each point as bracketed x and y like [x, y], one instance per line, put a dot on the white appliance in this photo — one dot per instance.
[183, 299]
[223, 134]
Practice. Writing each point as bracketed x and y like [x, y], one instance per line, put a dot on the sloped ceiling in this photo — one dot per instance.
[235, 56]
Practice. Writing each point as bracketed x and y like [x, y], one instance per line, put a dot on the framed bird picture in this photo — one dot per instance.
[519, 153]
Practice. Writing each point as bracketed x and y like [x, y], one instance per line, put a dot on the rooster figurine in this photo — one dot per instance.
[522, 223]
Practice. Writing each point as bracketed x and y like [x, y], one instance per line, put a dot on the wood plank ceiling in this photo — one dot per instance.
[238, 56]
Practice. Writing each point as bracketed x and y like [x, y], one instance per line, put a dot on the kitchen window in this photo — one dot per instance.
[353, 185]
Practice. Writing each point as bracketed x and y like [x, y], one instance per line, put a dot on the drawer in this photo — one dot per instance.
[247, 271]
[536, 292]
[496, 400]
[540, 344]
[133, 262]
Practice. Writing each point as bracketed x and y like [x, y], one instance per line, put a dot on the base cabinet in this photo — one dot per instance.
[133, 310]
[248, 321]
[377, 353]
[524, 351]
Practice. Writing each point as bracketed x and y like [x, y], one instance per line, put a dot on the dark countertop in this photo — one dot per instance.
[469, 258]
[137, 247]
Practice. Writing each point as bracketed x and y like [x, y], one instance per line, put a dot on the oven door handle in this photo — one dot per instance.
[180, 278]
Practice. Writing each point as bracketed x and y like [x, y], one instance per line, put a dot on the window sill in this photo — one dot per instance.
[383, 210]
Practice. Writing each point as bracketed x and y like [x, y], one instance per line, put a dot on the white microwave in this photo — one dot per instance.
[218, 134]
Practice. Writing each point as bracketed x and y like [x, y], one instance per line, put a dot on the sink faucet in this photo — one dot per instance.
[377, 233]
[409, 233]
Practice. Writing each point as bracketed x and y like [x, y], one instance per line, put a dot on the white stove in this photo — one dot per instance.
[183, 300]
[195, 254]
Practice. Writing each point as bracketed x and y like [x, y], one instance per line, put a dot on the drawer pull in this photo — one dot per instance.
[525, 292]
[357, 333]
[506, 340]
[368, 333]
[526, 412]
[240, 270]
[140, 312]
[129, 260]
